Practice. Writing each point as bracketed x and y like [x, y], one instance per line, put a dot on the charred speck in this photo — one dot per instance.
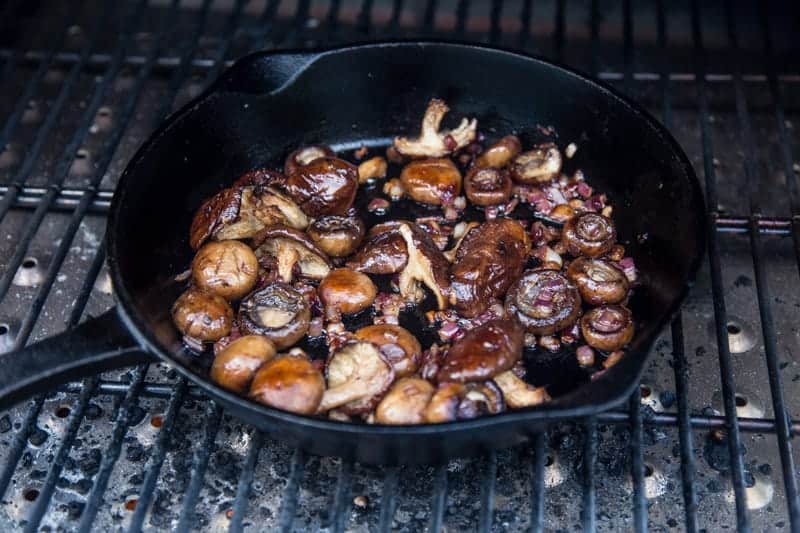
[89, 463]
[700, 351]
[714, 486]
[38, 474]
[136, 416]
[74, 509]
[667, 399]
[136, 479]
[765, 469]
[5, 424]
[27, 460]
[38, 437]
[743, 281]
[93, 411]
[134, 452]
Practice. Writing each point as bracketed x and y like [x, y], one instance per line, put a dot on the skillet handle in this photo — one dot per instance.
[263, 72]
[99, 344]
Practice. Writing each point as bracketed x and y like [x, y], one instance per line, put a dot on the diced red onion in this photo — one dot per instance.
[491, 212]
[315, 327]
[628, 267]
[450, 213]
[585, 355]
[378, 204]
[450, 143]
[556, 196]
[548, 342]
[584, 189]
[448, 330]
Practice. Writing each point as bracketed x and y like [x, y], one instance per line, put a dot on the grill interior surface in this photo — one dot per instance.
[699, 447]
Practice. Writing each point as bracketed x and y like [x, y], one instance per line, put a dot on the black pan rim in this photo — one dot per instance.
[545, 412]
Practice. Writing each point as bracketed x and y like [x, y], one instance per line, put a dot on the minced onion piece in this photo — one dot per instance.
[585, 355]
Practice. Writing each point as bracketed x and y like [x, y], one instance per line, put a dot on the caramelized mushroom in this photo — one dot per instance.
[544, 301]
[426, 265]
[431, 181]
[289, 382]
[483, 352]
[384, 252]
[371, 169]
[345, 291]
[490, 258]
[294, 251]
[432, 142]
[304, 156]
[226, 268]
[608, 327]
[487, 186]
[234, 367]
[500, 153]
[337, 236]
[202, 316]
[539, 165]
[277, 312]
[519, 394]
[325, 186]
[398, 345]
[405, 402]
[588, 234]
[358, 376]
[458, 401]
[599, 281]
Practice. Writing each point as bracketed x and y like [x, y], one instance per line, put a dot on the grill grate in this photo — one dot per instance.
[142, 449]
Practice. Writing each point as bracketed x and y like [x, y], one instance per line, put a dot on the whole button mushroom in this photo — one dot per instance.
[294, 252]
[405, 402]
[277, 312]
[608, 327]
[304, 156]
[234, 367]
[202, 316]
[483, 352]
[289, 382]
[384, 252]
[337, 236]
[225, 268]
[487, 186]
[588, 234]
[459, 401]
[345, 292]
[599, 281]
[358, 377]
[398, 345]
[500, 153]
[539, 165]
[325, 186]
[432, 181]
[544, 301]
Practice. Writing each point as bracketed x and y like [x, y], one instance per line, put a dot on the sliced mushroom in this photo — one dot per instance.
[345, 292]
[458, 401]
[540, 165]
[487, 186]
[405, 402]
[588, 234]
[292, 249]
[358, 376]
[599, 281]
[305, 156]
[431, 181]
[500, 153]
[460, 233]
[398, 345]
[234, 367]
[488, 261]
[544, 301]
[371, 169]
[384, 252]
[426, 265]
[277, 312]
[432, 142]
[202, 316]
[325, 186]
[337, 236]
[608, 327]
[517, 393]
[226, 268]
[483, 352]
[289, 382]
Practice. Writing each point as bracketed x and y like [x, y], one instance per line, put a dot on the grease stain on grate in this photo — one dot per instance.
[30, 273]
[741, 337]
[7, 337]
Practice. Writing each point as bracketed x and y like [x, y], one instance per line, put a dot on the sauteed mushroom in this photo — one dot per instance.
[358, 375]
[588, 234]
[384, 252]
[608, 327]
[337, 236]
[483, 352]
[226, 268]
[487, 186]
[426, 265]
[345, 291]
[325, 186]
[371, 169]
[277, 312]
[431, 181]
[500, 153]
[519, 394]
[289, 382]
[293, 250]
[305, 156]
[202, 316]
[539, 165]
[599, 281]
[544, 301]
[260, 177]
[235, 366]
[398, 345]
[405, 402]
[432, 142]
[458, 401]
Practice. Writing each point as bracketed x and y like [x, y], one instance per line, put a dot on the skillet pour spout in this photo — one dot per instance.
[267, 105]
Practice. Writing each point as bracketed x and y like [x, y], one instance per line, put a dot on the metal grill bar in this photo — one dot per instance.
[487, 493]
[246, 482]
[289, 504]
[537, 483]
[388, 499]
[589, 501]
[341, 496]
[439, 499]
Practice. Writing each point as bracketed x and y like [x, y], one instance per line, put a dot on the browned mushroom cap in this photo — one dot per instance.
[358, 376]
[539, 165]
[337, 236]
[226, 268]
[405, 402]
[544, 301]
[458, 401]
[483, 352]
[384, 252]
[260, 177]
[289, 382]
[292, 249]
[431, 181]
[487, 186]
[202, 316]
[345, 291]
[500, 153]
[588, 234]
[519, 394]
[608, 327]
[489, 260]
[325, 186]
[398, 345]
[432, 142]
[277, 312]
[305, 155]
[599, 281]
[234, 367]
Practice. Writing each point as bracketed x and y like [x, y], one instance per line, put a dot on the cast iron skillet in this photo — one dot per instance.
[270, 103]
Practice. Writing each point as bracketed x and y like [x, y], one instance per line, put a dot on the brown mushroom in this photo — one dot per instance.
[458, 401]
[384, 252]
[460, 233]
[234, 367]
[544, 301]
[500, 153]
[431, 181]
[325, 186]
[294, 251]
[358, 376]
[426, 265]
[305, 156]
[432, 142]
[608, 327]
[588, 234]
[371, 169]
[289, 382]
[517, 393]
[487, 186]
[539, 165]
[260, 177]
[398, 345]
[226, 268]
[599, 281]
[277, 312]
[488, 261]
[483, 352]
[202, 316]
[337, 236]
[405, 402]
[345, 292]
